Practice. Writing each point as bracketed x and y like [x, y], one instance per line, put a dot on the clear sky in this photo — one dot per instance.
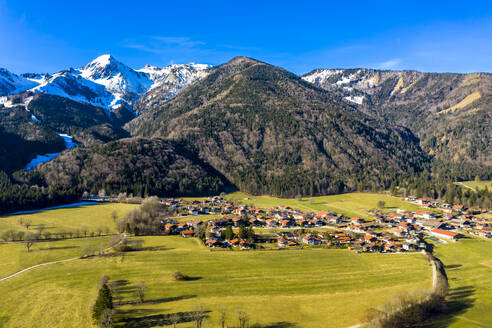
[438, 36]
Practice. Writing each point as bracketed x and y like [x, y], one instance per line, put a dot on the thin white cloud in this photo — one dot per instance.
[390, 64]
[161, 44]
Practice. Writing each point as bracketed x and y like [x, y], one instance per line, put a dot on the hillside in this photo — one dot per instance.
[22, 138]
[450, 113]
[88, 124]
[268, 131]
[138, 166]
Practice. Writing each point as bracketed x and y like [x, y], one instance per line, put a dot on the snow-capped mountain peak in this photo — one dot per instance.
[105, 81]
[11, 83]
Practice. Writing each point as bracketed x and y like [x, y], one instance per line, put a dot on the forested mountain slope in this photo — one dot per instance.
[268, 131]
[450, 113]
[135, 165]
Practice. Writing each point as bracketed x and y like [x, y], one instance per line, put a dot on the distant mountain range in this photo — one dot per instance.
[450, 113]
[244, 124]
[104, 82]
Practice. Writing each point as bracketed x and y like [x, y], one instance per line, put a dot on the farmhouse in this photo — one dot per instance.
[446, 234]
[187, 233]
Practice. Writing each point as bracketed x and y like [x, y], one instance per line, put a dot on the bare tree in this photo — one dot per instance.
[243, 319]
[6, 235]
[174, 318]
[223, 312]
[46, 235]
[29, 240]
[99, 230]
[199, 315]
[40, 228]
[84, 230]
[20, 235]
[140, 291]
[26, 222]
[106, 320]
[114, 216]
[86, 250]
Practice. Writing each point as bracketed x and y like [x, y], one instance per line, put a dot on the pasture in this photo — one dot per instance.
[469, 269]
[307, 288]
[90, 217]
[351, 204]
[475, 184]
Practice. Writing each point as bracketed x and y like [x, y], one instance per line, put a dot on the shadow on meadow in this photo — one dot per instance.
[283, 324]
[55, 248]
[458, 301]
[133, 318]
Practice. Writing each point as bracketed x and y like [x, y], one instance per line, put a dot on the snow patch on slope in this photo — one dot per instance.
[355, 99]
[69, 144]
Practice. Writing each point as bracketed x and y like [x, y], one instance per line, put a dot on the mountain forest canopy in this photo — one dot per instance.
[251, 126]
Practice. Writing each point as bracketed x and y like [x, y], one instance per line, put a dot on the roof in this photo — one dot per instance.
[445, 232]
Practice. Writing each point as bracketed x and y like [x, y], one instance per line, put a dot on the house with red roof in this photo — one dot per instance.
[446, 234]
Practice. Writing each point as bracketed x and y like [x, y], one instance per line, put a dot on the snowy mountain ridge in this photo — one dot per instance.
[11, 83]
[104, 82]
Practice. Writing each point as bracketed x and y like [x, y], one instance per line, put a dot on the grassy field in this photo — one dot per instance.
[303, 288]
[66, 219]
[15, 256]
[309, 288]
[469, 269]
[352, 204]
[474, 184]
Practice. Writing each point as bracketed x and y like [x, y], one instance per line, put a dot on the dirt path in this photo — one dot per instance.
[36, 266]
[48, 263]
[464, 185]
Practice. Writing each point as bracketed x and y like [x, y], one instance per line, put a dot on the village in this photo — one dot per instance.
[238, 226]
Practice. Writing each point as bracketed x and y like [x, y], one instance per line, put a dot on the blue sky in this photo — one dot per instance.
[445, 36]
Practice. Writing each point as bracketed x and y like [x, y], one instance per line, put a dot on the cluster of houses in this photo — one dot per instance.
[398, 231]
[453, 220]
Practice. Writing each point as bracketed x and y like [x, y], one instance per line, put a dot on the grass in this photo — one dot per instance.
[15, 256]
[351, 204]
[474, 184]
[309, 288]
[205, 217]
[66, 219]
[469, 269]
[463, 103]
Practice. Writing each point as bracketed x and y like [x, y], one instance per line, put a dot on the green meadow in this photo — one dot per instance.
[351, 204]
[312, 287]
[307, 288]
[475, 184]
[469, 269]
[69, 219]
[15, 256]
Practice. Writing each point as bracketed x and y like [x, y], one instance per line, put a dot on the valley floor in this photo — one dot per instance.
[289, 288]
[306, 288]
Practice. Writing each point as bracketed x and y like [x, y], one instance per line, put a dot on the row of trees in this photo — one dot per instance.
[41, 234]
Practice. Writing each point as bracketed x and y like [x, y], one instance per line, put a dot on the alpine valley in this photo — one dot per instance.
[196, 129]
